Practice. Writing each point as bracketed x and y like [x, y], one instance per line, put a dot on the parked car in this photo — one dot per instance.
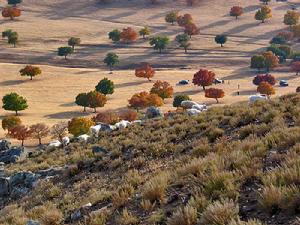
[218, 81]
[183, 82]
[283, 83]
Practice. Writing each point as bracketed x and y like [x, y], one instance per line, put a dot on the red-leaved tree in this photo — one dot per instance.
[295, 67]
[204, 78]
[236, 11]
[163, 89]
[264, 78]
[145, 71]
[191, 29]
[214, 93]
[11, 12]
[184, 20]
[129, 34]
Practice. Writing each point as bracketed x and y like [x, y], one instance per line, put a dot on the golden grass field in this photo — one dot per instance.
[46, 25]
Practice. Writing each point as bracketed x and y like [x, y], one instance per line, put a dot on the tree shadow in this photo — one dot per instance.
[11, 82]
[191, 92]
[68, 114]
[129, 84]
[245, 92]
[69, 104]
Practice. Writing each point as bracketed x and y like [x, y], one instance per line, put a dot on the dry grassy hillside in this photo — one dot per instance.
[47, 25]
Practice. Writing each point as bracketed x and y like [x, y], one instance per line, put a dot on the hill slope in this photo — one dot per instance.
[228, 164]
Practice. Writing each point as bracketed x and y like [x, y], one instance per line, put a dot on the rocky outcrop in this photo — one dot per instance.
[11, 155]
[153, 112]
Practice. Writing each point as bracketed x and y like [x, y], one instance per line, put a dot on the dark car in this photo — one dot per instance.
[283, 83]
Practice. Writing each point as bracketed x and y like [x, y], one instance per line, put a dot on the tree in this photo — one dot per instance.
[39, 131]
[159, 42]
[128, 35]
[145, 71]
[30, 71]
[129, 115]
[111, 60]
[13, 39]
[204, 78]
[296, 30]
[183, 40]
[163, 89]
[286, 35]
[14, 2]
[278, 52]
[11, 12]
[266, 89]
[6, 33]
[144, 31]
[115, 35]
[184, 20]
[265, 1]
[79, 126]
[82, 100]
[271, 60]
[291, 18]
[73, 41]
[14, 102]
[144, 99]
[295, 67]
[221, 39]
[20, 133]
[96, 99]
[180, 98]
[105, 86]
[236, 11]
[64, 51]
[298, 89]
[10, 122]
[264, 78]
[171, 17]
[191, 29]
[214, 93]
[263, 13]
[59, 131]
[107, 117]
[258, 62]
[279, 40]
[287, 50]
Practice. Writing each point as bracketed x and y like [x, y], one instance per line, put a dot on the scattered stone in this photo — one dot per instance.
[51, 172]
[76, 215]
[153, 112]
[4, 145]
[32, 222]
[4, 187]
[83, 137]
[65, 141]
[11, 155]
[55, 144]
[122, 124]
[193, 112]
[98, 149]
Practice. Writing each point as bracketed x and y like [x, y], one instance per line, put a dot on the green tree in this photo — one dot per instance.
[14, 2]
[171, 17]
[111, 60]
[114, 35]
[159, 42]
[221, 39]
[14, 102]
[30, 71]
[263, 14]
[64, 51]
[82, 100]
[105, 86]
[144, 31]
[73, 41]
[184, 41]
[13, 38]
[10, 122]
[180, 98]
[258, 62]
[6, 33]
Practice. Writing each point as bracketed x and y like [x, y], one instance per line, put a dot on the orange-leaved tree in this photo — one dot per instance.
[271, 60]
[191, 29]
[145, 71]
[144, 99]
[184, 20]
[295, 67]
[266, 89]
[215, 93]
[163, 89]
[11, 12]
[96, 99]
[30, 71]
[204, 78]
[128, 34]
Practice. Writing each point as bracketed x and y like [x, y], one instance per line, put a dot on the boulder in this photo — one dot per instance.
[50, 172]
[26, 179]
[98, 149]
[11, 155]
[83, 137]
[4, 145]
[94, 130]
[193, 112]
[254, 98]
[55, 143]
[4, 187]
[32, 222]
[122, 124]
[153, 112]
[65, 141]
[137, 122]
[188, 104]
[200, 107]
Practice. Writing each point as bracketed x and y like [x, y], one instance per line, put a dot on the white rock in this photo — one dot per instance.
[193, 112]
[122, 124]
[188, 104]
[65, 141]
[94, 130]
[137, 121]
[55, 143]
[199, 107]
[83, 137]
[254, 98]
